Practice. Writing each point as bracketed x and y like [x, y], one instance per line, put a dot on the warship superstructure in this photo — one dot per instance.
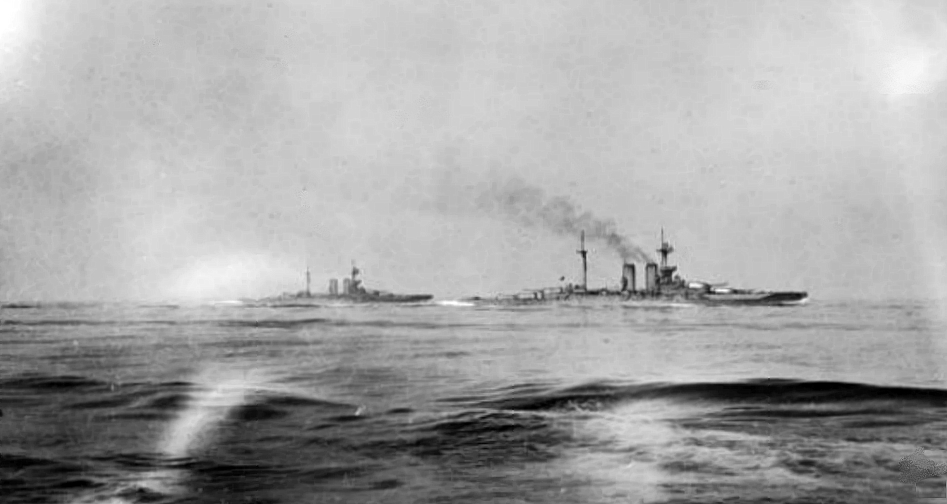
[353, 291]
[662, 283]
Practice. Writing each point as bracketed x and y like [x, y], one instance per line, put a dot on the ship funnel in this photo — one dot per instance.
[651, 277]
[334, 286]
[346, 286]
[628, 277]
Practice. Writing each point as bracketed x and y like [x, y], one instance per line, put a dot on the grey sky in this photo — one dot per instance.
[209, 149]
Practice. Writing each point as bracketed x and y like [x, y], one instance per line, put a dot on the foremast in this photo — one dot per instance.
[666, 272]
[585, 265]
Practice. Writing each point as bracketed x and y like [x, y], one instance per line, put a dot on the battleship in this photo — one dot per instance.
[662, 283]
[353, 291]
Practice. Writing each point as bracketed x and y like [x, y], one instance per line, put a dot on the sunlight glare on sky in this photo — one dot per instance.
[13, 24]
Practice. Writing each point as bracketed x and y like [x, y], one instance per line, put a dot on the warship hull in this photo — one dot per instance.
[662, 286]
[629, 298]
[353, 292]
[760, 298]
[334, 300]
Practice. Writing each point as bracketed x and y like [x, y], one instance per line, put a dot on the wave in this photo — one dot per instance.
[238, 323]
[473, 437]
[274, 323]
[149, 400]
[20, 306]
[760, 391]
[68, 305]
[50, 383]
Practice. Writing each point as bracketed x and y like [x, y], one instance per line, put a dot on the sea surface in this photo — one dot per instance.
[590, 402]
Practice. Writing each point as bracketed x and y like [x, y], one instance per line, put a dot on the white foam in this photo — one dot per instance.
[621, 450]
[229, 302]
[624, 451]
[453, 302]
[161, 481]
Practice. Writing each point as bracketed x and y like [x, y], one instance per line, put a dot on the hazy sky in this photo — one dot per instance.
[166, 149]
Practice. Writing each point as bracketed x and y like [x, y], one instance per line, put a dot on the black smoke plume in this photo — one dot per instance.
[529, 206]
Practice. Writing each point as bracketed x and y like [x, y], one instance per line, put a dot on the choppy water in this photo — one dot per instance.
[450, 403]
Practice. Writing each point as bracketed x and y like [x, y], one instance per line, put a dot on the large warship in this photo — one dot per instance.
[353, 291]
[662, 283]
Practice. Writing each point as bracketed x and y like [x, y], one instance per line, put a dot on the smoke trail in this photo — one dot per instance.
[529, 206]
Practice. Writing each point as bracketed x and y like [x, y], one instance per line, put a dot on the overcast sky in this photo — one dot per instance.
[193, 148]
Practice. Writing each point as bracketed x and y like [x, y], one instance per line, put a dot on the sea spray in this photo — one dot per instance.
[216, 392]
[219, 392]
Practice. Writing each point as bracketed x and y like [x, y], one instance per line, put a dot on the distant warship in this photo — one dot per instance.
[352, 292]
[661, 284]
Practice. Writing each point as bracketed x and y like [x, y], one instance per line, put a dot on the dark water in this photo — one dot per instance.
[448, 403]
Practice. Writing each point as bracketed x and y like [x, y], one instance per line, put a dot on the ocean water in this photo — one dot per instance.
[451, 403]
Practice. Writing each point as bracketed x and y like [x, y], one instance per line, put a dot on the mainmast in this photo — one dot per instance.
[665, 249]
[666, 276]
[308, 281]
[355, 281]
[585, 267]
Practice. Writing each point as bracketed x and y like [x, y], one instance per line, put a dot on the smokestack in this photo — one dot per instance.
[651, 277]
[628, 277]
[334, 286]
[346, 286]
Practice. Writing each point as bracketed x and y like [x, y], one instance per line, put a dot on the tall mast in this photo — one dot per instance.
[308, 281]
[585, 267]
[665, 249]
